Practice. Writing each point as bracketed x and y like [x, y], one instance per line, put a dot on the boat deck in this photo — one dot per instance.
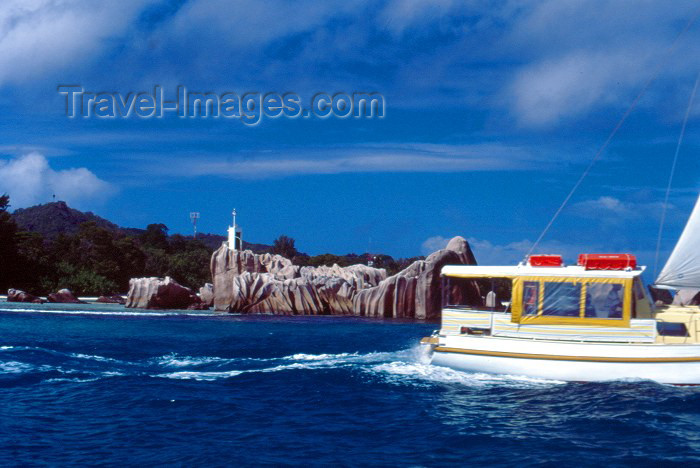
[683, 327]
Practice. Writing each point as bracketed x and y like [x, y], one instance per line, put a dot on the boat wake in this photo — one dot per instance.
[405, 367]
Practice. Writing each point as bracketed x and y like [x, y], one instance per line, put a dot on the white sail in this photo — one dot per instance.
[682, 270]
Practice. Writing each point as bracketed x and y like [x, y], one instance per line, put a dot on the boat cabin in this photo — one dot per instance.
[602, 298]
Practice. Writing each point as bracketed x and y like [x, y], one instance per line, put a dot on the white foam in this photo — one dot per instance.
[345, 358]
[94, 358]
[174, 360]
[402, 372]
[317, 357]
[15, 367]
[192, 375]
[215, 375]
[72, 380]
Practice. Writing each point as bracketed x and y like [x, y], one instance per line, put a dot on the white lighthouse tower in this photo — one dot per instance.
[235, 235]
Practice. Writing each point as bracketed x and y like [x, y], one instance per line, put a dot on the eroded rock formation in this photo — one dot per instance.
[160, 293]
[249, 283]
[115, 299]
[206, 294]
[17, 295]
[415, 291]
[64, 296]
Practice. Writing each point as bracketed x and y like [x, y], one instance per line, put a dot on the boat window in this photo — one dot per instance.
[477, 293]
[604, 300]
[531, 297]
[562, 299]
[589, 301]
[671, 329]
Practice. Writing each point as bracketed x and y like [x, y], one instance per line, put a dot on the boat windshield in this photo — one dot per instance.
[492, 294]
[559, 300]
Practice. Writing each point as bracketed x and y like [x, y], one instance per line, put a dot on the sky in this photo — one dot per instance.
[492, 112]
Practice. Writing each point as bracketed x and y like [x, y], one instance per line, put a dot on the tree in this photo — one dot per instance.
[284, 246]
[8, 244]
[33, 262]
[155, 236]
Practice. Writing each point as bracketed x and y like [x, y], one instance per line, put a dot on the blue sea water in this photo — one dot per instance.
[89, 384]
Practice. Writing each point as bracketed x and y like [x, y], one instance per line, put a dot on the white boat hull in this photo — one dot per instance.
[580, 362]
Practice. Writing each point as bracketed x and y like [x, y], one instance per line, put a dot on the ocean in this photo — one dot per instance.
[103, 385]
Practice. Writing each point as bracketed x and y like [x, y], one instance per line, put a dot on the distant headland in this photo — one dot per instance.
[57, 252]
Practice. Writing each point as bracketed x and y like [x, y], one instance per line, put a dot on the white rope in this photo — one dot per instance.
[673, 171]
[599, 153]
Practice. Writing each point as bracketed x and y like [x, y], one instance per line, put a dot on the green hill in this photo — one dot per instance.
[52, 219]
[52, 246]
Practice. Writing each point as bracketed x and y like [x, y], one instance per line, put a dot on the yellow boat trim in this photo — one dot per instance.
[518, 315]
[551, 357]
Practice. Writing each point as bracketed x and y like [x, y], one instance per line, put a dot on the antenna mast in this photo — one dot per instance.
[194, 216]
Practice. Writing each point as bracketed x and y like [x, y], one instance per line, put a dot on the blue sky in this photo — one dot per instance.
[493, 110]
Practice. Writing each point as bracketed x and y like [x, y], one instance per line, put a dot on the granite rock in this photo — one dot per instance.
[64, 296]
[415, 291]
[114, 299]
[17, 295]
[206, 294]
[244, 282]
[159, 293]
[248, 283]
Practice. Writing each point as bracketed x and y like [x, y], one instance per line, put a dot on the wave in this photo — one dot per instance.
[426, 374]
[15, 367]
[175, 360]
[316, 357]
[89, 357]
[193, 375]
[216, 375]
[92, 357]
[404, 367]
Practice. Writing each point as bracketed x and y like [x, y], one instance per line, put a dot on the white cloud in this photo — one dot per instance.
[488, 253]
[543, 61]
[571, 85]
[365, 158]
[43, 36]
[400, 15]
[30, 180]
[247, 23]
[577, 59]
[432, 244]
[613, 210]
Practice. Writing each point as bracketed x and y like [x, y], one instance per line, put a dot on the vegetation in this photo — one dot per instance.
[52, 246]
[284, 246]
[94, 257]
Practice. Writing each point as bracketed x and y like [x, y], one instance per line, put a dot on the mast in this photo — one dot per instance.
[682, 270]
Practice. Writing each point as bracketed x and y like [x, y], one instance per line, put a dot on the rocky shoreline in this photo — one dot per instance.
[249, 283]
[62, 296]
